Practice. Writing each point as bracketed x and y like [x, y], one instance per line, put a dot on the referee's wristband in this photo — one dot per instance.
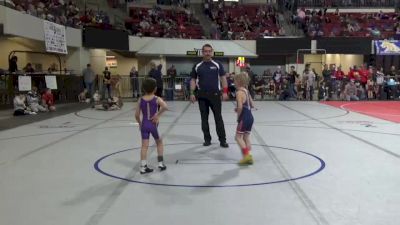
[225, 90]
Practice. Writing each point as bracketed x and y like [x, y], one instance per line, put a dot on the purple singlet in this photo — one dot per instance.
[149, 109]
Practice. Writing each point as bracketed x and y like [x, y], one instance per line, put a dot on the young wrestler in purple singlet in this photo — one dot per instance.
[245, 118]
[148, 106]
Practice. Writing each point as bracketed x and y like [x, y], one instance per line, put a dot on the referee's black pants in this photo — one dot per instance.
[206, 101]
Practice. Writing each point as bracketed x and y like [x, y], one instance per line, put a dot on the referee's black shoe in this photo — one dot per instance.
[224, 145]
[207, 143]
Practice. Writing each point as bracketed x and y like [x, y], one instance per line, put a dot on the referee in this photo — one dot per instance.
[207, 76]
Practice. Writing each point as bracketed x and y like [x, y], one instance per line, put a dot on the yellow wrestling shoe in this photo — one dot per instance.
[247, 160]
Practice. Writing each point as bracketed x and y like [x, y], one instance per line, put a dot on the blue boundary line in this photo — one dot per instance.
[322, 166]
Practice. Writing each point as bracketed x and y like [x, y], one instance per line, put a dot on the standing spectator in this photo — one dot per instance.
[52, 68]
[156, 74]
[106, 83]
[117, 86]
[292, 81]
[12, 64]
[171, 73]
[363, 72]
[252, 81]
[278, 78]
[48, 100]
[380, 79]
[354, 74]
[309, 78]
[134, 75]
[326, 75]
[393, 73]
[28, 68]
[88, 78]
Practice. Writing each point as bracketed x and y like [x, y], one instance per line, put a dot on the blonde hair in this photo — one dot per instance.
[242, 79]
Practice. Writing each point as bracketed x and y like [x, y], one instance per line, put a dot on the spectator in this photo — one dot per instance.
[88, 78]
[52, 68]
[361, 93]
[285, 93]
[48, 100]
[12, 64]
[28, 68]
[156, 74]
[309, 78]
[259, 86]
[363, 72]
[323, 92]
[293, 76]
[117, 86]
[278, 78]
[350, 91]
[171, 73]
[82, 96]
[134, 75]
[106, 83]
[20, 108]
[33, 100]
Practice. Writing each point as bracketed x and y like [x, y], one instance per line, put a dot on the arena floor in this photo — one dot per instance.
[314, 164]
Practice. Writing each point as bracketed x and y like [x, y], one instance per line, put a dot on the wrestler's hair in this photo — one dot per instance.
[242, 79]
[149, 85]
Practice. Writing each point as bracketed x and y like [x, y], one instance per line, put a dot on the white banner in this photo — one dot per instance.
[51, 82]
[55, 37]
[24, 83]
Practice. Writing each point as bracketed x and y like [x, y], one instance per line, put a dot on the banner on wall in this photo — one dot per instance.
[55, 37]
[387, 47]
[24, 83]
[51, 82]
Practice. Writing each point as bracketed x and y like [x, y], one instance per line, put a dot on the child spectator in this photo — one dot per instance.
[48, 100]
[20, 108]
[33, 100]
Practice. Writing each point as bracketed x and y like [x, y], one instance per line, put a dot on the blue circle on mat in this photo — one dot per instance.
[321, 167]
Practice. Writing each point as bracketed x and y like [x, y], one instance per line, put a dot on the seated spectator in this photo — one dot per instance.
[285, 93]
[33, 100]
[82, 96]
[20, 108]
[96, 97]
[271, 88]
[361, 93]
[323, 92]
[259, 86]
[48, 100]
[350, 91]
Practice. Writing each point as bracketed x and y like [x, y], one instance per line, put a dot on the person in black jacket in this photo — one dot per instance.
[156, 74]
[12, 64]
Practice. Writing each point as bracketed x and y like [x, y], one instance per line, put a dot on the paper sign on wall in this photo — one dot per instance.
[51, 82]
[24, 83]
